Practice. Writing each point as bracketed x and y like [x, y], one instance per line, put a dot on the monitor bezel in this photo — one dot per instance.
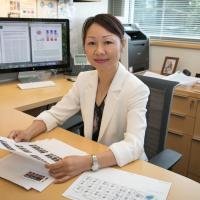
[62, 67]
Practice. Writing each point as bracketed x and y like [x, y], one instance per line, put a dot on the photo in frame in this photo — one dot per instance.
[169, 65]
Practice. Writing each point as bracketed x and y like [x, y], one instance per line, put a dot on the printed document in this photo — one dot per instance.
[178, 76]
[25, 172]
[113, 184]
[29, 159]
[182, 79]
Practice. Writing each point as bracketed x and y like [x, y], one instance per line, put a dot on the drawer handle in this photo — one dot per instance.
[176, 133]
[178, 114]
[196, 138]
[181, 96]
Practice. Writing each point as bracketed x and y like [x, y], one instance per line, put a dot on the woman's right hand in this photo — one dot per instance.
[37, 127]
[20, 135]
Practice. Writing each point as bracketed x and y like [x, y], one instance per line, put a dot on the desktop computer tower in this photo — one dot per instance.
[135, 55]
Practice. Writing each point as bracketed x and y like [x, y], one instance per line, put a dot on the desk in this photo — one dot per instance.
[182, 188]
[14, 97]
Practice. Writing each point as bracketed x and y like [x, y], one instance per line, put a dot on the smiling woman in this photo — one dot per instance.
[102, 48]
[111, 99]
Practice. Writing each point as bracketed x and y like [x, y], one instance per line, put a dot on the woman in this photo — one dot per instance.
[112, 102]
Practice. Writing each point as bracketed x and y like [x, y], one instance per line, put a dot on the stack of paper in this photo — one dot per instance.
[178, 76]
[115, 184]
[29, 158]
[183, 79]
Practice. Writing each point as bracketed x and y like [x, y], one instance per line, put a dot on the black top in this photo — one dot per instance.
[98, 112]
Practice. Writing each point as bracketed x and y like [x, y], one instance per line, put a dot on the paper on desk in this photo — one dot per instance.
[31, 173]
[25, 149]
[25, 172]
[182, 79]
[115, 184]
[47, 151]
[62, 149]
[178, 76]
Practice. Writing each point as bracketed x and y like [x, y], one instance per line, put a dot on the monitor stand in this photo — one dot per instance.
[8, 77]
[34, 76]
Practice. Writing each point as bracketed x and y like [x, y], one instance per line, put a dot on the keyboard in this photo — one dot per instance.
[39, 84]
[76, 69]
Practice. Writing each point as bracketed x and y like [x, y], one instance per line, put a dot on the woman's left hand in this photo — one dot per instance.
[69, 167]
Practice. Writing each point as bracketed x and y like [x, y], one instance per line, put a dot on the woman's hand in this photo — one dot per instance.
[37, 127]
[19, 136]
[69, 167]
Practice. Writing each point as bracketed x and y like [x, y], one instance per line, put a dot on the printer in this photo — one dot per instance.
[135, 55]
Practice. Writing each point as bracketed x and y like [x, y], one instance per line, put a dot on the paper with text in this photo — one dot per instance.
[45, 151]
[178, 76]
[113, 184]
[29, 158]
[25, 172]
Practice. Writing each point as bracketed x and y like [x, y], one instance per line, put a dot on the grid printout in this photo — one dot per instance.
[113, 184]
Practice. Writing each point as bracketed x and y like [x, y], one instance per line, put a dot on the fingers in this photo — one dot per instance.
[16, 135]
[19, 138]
[54, 171]
[12, 134]
[62, 180]
[66, 168]
[55, 166]
[57, 175]
[58, 171]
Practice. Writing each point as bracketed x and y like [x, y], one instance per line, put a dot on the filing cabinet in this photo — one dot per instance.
[184, 131]
[194, 165]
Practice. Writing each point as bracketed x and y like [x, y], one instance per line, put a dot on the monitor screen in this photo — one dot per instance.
[33, 44]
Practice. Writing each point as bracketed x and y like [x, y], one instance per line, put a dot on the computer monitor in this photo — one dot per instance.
[34, 44]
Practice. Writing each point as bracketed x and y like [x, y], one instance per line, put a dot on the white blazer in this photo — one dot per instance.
[123, 122]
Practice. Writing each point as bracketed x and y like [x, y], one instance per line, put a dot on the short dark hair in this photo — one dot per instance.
[107, 21]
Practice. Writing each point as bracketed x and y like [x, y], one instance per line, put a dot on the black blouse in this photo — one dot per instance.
[98, 112]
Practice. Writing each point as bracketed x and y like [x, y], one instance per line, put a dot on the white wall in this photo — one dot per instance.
[81, 12]
[188, 58]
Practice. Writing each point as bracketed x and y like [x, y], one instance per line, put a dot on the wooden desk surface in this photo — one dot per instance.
[13, 97]
[182, 187]
[193, 91]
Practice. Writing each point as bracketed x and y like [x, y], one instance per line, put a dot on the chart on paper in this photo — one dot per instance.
[113, 184]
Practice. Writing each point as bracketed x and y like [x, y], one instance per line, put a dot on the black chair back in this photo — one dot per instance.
[158, 111]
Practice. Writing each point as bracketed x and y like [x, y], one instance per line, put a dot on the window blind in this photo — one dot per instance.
[169, 19]
[122, 9]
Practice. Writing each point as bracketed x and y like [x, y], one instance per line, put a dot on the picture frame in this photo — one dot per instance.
[169, 65]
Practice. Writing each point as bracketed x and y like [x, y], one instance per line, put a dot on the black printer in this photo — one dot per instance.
[138, 49]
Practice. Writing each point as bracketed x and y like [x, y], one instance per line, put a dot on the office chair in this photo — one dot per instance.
[158, 112]
[74, 124]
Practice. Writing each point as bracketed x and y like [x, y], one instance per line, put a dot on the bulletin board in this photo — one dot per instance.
[35, 8]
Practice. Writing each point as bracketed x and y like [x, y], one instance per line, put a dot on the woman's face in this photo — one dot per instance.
[102, 48]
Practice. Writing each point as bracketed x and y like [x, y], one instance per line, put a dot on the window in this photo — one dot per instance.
[169, 19]
[122, 9]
